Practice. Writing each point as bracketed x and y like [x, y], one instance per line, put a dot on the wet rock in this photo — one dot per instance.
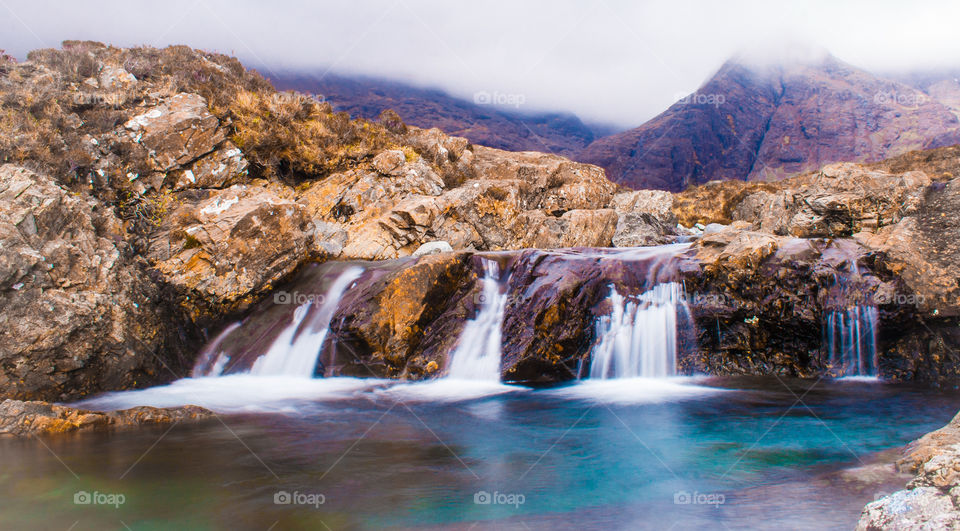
[406, 318]
[32, 418]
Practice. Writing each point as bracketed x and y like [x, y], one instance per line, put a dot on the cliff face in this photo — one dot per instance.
[765, 123]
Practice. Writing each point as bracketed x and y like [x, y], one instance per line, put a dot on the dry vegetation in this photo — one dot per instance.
[56, 118]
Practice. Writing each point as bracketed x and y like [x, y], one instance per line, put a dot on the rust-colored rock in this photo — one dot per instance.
[22, 419]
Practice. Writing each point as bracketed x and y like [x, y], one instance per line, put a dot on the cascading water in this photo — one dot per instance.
[851, 337]
[212, 358]
[296, 350]
[850, 327]
[477, 356]
[639, 337]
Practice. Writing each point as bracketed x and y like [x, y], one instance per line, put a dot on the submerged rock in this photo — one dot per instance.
[33, 418]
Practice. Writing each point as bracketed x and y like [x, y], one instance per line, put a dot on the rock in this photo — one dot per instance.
[930, 499]
[923, 508]
[230, 245]
[219, 169]
[432, 248]
[115, 78]
[34, 418]
[638, 230]
[656, 202]
[177, 131]
[396, 325]
[77, 315]
[644, 218]
[390, 162]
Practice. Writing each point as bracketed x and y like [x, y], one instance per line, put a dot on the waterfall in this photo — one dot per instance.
[477, 355]
[212, 358]
[851, 337]
[296, 350]
[639, 337]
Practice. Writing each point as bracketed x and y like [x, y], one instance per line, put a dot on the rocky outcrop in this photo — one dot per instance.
[34, 418]
[78, 312]
[932, 499]
[173, 187]
[229, 245]
[498, 200]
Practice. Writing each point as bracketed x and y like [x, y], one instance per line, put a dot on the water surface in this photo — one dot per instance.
[622, 454]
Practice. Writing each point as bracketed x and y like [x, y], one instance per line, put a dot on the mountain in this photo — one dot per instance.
[478, 121]
[768, 122]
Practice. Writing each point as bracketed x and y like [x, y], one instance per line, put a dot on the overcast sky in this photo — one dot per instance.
[609, 61]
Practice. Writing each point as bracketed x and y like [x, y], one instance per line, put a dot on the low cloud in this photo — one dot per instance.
[609, 61]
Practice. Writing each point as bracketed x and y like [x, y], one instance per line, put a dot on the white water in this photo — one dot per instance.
[477, 356]
[851, 336]
[237, 393]
[639, 337]
[296, 350]
[212, 358]
[634, 390]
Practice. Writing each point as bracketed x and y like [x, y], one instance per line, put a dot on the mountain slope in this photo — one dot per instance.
[765, 123]
[560, 133]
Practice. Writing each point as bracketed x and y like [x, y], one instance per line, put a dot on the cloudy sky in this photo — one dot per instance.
[609, 61]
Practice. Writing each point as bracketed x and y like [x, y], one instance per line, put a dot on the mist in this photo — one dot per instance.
[608, 61]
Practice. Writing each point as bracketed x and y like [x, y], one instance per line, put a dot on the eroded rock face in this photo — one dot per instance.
[78, 313]
[22, 419]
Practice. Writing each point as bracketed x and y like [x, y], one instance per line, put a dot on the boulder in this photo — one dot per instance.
[230, 245]
[177, 131]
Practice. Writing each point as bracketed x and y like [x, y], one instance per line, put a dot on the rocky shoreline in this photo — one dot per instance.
[930, 499]
[33, 418]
